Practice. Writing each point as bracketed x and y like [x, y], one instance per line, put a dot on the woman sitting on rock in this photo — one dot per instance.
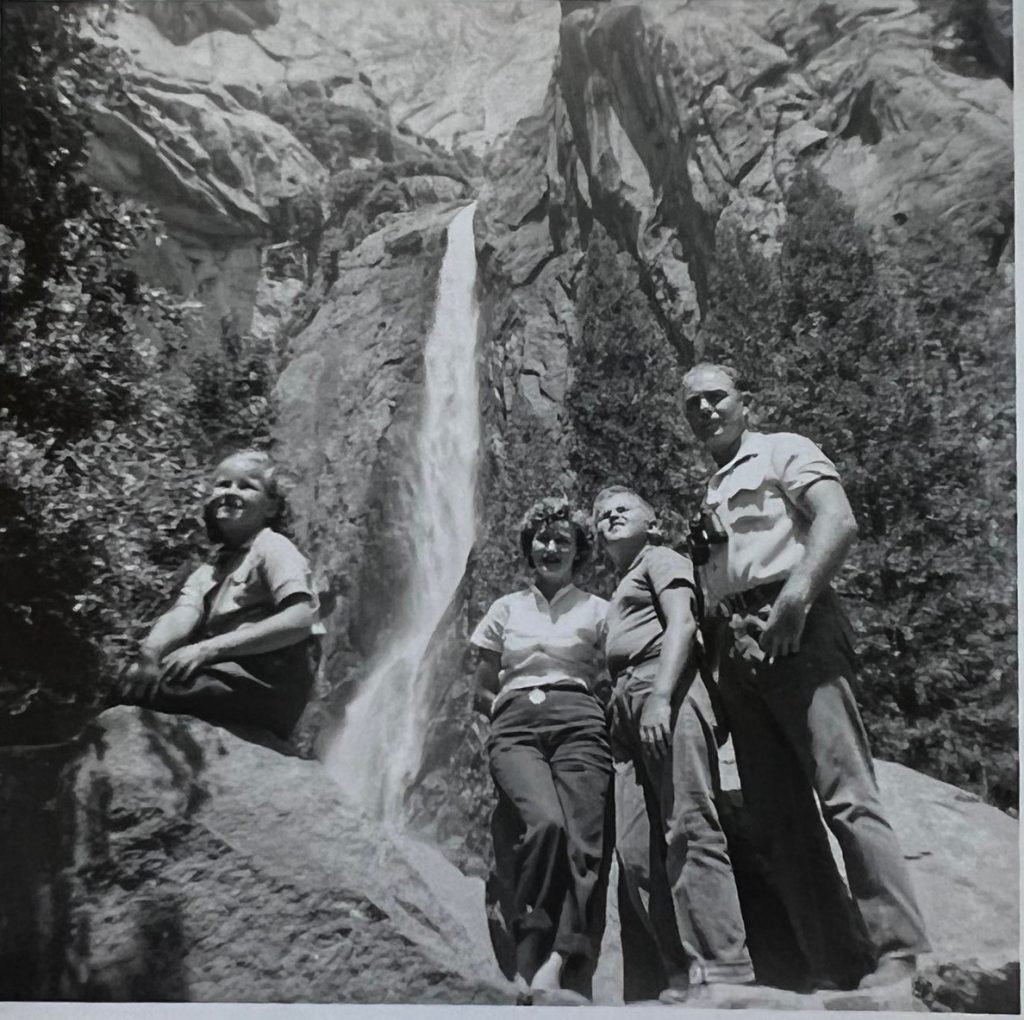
[237, 646]
[540, 657]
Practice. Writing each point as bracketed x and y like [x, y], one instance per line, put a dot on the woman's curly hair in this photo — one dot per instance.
[550, 510]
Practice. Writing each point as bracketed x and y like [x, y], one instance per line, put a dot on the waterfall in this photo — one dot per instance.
[380, 745]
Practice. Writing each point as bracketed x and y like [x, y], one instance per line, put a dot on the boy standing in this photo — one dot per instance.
[663, 721]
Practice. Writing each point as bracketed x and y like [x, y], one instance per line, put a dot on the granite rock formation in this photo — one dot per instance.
[189, 881]
[183, 22]
[183, 879]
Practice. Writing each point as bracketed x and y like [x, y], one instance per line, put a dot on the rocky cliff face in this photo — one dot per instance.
[348, 402]
[215, 130]
[670, 120]
[183, 22]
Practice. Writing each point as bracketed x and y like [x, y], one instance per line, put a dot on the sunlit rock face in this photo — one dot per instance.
[203, 867]
[456, 71]
[226, 180]
[685, 116]
[182, 21]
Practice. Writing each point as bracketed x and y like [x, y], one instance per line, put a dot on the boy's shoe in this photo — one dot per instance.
[556, 997]
[700, 990]
[891, 970]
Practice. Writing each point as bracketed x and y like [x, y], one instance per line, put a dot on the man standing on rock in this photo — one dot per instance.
[777, 527]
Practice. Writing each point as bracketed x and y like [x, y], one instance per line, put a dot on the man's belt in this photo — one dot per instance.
[753, 599]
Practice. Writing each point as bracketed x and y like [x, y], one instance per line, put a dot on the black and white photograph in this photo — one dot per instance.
[508, 503]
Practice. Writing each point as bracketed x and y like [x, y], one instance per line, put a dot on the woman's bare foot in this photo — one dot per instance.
[890, 971]
[549, 974]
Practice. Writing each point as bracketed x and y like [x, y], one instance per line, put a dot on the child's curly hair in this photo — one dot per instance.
[547, 511]
[262, 461]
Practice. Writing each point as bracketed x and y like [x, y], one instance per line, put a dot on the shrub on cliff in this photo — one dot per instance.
[897, 368]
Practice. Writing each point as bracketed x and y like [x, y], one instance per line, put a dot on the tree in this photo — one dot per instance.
[623, 411]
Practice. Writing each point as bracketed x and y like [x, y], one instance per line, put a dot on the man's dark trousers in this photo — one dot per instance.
[796, 728]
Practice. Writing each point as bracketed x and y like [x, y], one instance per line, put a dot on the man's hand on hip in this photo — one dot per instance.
[785, 626]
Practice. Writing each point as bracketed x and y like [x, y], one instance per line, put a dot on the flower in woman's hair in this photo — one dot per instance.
[549, 510]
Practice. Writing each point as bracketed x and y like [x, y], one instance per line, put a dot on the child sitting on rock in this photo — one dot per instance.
[238, 645]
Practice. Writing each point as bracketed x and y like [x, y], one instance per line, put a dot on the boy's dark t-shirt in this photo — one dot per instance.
[635, 626]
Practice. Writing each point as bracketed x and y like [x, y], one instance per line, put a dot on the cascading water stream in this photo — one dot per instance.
[380, 745]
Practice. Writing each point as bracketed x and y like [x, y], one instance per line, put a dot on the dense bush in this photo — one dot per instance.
[894, 358]
[622, 411]
[101, 460]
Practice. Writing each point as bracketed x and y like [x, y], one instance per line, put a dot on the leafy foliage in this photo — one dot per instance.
[897, 368]
[623, 411]
[102, 443]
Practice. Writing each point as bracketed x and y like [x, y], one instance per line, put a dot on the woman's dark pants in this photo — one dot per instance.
[551, 762]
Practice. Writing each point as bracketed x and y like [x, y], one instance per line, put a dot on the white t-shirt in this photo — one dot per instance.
[756, 497]
[544, 643]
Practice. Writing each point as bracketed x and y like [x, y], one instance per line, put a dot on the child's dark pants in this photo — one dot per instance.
[269, 690]
[552, 762]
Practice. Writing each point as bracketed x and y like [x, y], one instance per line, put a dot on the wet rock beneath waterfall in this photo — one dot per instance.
[209, 868]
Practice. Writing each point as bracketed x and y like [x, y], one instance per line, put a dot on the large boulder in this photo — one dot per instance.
[964, 858]
[197, 864]
[206, 867]
[964, 861]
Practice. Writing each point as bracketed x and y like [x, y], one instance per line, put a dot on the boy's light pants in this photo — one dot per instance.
[692, 903]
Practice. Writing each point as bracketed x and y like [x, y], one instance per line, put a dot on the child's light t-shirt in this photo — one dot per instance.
[543, 643]
[248, 584]
[635, 626]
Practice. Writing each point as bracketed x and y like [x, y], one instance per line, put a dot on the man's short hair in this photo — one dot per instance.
[727, 370]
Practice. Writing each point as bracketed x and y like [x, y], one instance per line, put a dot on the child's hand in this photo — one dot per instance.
[656, 724]
[138, 683]
[179, 666]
